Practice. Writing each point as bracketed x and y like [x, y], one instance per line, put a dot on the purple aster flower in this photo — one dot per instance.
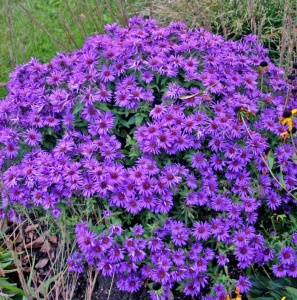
[133, 205]
[33, 137]
[138, 230]
[106, 213]
[216, 144]
[180, 238]
[209, 254]
[137, 255]
[244, 284]
[191, 289]
[191, 199]
[164, 205]
[106, 241]
[116, 254]
[160, 275]
[75, 263]
[219, 289]
[292, 270]
[294, 238]
[116, 229]
[158, 111]
[10, 150]
[217, 162]
[222, 259]
[244, 252]
[201, 230]
[279, 270]
[97, 251]
[191, 181]
[85, 240]
[155, 244]
[106, 268]
[178, 257]
[107, 74]
[132, 283]
[198, 160]
[287, 255]
[268, 254]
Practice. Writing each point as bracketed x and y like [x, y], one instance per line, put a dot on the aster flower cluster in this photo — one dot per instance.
[158, 124]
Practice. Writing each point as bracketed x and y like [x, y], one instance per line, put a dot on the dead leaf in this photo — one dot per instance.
[36, 244]
[25, 259]
[3, 224]
[46, 247]
[170, 295]
[18, 240]
[42, 263]
[20, 247]
[27, 269]
[2, 273]
[53, 239]
[31, 227]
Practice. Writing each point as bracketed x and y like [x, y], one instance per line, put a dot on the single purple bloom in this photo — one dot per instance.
[244, 284]
[287, 255]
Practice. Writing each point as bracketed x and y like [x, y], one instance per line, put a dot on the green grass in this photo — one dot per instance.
[34, 28]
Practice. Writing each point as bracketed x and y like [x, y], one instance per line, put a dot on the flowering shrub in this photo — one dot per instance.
[175, 134]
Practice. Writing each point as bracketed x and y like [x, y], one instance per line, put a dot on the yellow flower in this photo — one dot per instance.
[242, 112]
[286, 118]
[286, 134]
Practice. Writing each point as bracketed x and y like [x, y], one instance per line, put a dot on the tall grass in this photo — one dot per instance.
[42, 28]
[272, 21]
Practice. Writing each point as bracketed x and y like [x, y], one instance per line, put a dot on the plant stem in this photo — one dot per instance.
[109, 292]
[273, 225]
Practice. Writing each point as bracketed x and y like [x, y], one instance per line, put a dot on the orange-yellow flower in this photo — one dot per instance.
[242, 112]
[286, 118]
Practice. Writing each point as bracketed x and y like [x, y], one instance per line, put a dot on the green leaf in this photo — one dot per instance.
[292, 291]
[102, 106]
[264, 298]
[294, 158]
[131, 120]
[4, 265]
[78, 107]
[138, 120]
[164, 80]
[270, 158]
[281, 179]
[12, 288]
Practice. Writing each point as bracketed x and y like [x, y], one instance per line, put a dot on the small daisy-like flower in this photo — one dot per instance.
[287, 255]
[294, 238]
[243, 284]
[33, 137]
[138, 230]
[292, 269]
[201, 230]
[222, 259]
[279, 270]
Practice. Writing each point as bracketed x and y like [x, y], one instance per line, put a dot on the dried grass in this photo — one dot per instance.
[272, 21]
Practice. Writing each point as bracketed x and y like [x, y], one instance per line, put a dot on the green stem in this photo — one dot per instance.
[261, 85]
[287, 98]
[266, 272]
[292, 140]
[273, 225]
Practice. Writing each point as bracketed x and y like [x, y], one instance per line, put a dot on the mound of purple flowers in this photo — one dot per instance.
[176, 129]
